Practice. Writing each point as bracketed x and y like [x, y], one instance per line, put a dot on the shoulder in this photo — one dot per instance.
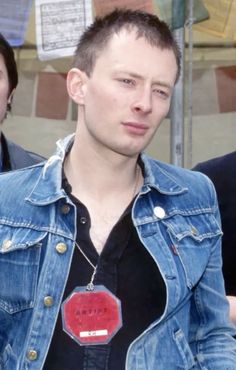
[36, 158]
[179, 174]
[217, 164]
[15, 189]
[21, 180]
[222, 172]
[20, 158]
[193, 185]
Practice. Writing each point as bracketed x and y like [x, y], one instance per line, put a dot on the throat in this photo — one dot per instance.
[103, 217]
[105, 194]
[106, 213]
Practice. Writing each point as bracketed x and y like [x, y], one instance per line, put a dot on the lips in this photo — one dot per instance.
[137, 128]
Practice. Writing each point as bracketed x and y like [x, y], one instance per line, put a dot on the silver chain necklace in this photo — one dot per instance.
[90, 285]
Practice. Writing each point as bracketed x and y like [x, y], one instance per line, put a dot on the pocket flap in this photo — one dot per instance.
[198, 227]
[12, 238]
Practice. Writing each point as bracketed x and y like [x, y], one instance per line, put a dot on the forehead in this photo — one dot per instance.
[125, 51]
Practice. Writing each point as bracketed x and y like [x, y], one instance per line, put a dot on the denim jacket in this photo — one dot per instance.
[183, 236]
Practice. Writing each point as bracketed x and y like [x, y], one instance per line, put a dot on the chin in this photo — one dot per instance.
[129, 152]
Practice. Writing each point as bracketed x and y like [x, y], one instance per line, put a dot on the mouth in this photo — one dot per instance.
[136, 128]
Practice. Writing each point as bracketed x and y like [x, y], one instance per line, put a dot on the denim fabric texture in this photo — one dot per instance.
[37, 239]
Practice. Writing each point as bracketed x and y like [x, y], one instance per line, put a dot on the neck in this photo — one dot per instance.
[104, 184]
[102, 176]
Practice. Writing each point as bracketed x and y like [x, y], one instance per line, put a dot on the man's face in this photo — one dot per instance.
[4, 89]
[128, 94]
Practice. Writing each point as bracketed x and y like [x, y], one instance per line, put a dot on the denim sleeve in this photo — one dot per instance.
[213, 344]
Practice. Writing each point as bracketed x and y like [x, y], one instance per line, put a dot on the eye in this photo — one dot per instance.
[162, 93]
[128, 81]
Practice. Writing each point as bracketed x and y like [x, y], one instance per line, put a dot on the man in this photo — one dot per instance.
[113, 261]
[12, 156]
[222, 172]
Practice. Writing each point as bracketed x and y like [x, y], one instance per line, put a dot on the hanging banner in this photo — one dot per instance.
[14, 17]
[219, 17]
[175, 12]
[59, 24]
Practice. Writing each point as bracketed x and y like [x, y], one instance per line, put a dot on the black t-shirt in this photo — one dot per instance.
[124, 267]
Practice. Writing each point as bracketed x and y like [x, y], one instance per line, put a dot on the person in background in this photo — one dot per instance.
[114, 260]
[222, 172]
[12, 156]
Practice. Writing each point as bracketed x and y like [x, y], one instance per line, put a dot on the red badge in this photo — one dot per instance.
[91, 317]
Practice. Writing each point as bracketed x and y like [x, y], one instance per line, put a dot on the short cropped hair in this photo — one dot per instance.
[98, 34]
[9, 59]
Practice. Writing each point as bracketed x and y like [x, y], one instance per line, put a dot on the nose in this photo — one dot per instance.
[143, 102]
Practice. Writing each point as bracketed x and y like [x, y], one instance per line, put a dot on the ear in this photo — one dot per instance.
[10, 97]
[9, 100]
[76, 85]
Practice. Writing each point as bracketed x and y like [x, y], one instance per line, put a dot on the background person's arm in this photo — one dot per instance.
[214, 347]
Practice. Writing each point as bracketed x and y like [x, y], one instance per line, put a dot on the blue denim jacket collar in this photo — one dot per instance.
[48, 187]
[50, 178]
[160, 179]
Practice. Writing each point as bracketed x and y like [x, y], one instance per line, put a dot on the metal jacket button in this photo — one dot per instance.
[32, 355]
[61, 248]
[6, 244]
[65, 208]
[194, 230]
[48, 301]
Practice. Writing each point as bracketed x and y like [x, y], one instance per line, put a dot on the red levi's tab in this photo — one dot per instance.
[91, 317]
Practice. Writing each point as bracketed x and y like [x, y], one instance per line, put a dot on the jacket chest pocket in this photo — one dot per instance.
[20, 251]
[193, 237]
